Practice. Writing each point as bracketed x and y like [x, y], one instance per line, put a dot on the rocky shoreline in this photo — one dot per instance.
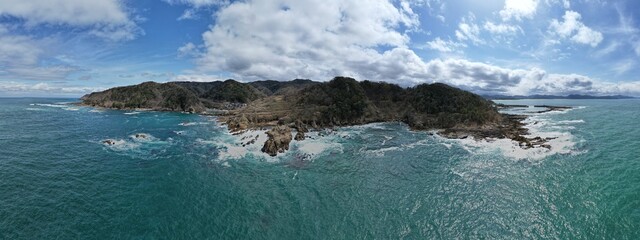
[512, 127]
[304, 105]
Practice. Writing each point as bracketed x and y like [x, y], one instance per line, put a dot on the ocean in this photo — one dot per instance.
[190, 179]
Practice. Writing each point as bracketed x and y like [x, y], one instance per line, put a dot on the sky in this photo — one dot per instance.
[507, 47]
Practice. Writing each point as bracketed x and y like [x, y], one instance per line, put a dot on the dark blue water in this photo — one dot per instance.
[190, 179]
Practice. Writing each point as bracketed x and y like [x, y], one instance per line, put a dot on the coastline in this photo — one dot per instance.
[513, 127]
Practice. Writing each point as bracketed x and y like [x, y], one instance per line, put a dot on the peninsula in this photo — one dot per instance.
[304, 105]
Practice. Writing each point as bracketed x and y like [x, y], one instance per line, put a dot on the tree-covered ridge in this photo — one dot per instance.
[233, 91]
[147, 95]
[339, 102]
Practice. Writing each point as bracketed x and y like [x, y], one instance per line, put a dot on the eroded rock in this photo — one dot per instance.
[278, 142]
[238, 124]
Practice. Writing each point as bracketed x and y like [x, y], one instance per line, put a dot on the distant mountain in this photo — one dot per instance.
[572, 96]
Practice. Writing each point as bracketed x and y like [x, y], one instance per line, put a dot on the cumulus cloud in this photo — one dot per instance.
[489, 79]
[285, 39]
[106, 18]
[519, 9]
[572, 28]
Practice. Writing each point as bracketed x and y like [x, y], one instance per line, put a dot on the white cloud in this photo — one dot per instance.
[444, 46]
[11, 88]
[500, 28]
[73, 12]
[285, 39]
[105, 18]
[59, 72]
[17, 49]
[188, 50]
[575, 30]
[485, 78]
[519, 9]
[188, 14]
[468, 30]
[20, 55]
[196, 78]
[198, 3]
[125, 32]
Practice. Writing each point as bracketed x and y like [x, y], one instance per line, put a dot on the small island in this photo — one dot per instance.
[305, 105]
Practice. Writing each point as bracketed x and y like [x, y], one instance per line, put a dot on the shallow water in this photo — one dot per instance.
[191, 179]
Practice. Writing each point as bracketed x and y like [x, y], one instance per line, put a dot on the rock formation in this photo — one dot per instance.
[278, 142]
[342, 101]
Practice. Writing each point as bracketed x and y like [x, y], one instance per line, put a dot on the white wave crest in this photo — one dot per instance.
[571, 121]
[186, 124]
[558, 140]
[119, 144]
[51, 105]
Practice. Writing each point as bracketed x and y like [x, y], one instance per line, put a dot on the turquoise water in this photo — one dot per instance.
[381, 181]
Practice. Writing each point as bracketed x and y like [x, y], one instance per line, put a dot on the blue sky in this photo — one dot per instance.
[72, 47]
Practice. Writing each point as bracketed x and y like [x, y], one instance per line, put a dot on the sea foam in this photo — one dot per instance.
[558, 138]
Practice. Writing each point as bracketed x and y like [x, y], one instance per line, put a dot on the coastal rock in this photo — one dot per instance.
[301, 128]
[141, 136]
[299, 136]
[238, 124]
[109, 142]
[278, 142]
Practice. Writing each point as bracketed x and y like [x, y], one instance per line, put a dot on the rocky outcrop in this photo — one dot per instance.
[301, 129]
[141, 136]
[278, 142]
[238, 124]
[342, 101]
[299, 136]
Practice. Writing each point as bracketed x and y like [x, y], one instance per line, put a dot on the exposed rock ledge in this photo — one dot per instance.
[278, 142]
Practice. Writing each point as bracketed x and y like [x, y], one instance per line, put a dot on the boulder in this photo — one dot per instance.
[238, 124]
[141, 136]
[109, 142]
[278, 142]
[301, 128]
[299, 136]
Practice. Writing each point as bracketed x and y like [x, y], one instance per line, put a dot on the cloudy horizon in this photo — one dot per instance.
[505, 47]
